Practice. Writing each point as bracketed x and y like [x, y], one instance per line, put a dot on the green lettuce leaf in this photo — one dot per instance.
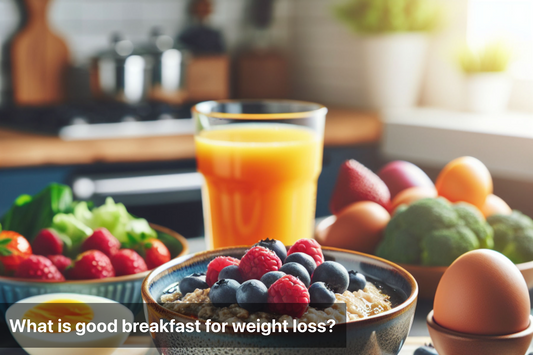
[29, 214]
[116, 219]
[72, 231]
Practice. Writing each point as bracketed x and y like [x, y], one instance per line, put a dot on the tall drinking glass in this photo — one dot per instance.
[260, 161]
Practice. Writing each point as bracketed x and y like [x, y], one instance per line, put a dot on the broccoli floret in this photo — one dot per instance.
[474, 220]
[515, 220]
[401, 247]
[513, 236]
[427, 215]
[521, 249]
[503, 236]
[432, 231]
[443, 246]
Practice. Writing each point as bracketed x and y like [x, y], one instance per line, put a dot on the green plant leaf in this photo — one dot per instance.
[493, 57]
[5, 241]
[388, 16]
[5, 252]
[29, 214]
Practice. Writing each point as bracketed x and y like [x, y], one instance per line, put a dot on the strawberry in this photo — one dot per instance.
[309, 247]
[155, 253]
[258, 261]
[357, 183]
[127, 262]
[216, 265]
[91, 264]
[38, 267]
[14, 249]
[101, 240]
[288, 296]
[61, 262]
[47, 242]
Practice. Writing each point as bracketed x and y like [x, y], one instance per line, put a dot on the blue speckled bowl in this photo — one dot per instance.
[381, 334]
[123, 289]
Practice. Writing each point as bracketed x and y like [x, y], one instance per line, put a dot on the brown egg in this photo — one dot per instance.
[358, 227]
[495, 205]
[413, 194]
[322, 228]
[482, 293]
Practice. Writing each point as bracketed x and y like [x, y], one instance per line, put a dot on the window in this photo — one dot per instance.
[508, 20]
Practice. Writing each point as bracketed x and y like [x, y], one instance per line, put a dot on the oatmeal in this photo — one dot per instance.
[359, 304]
[272, 284]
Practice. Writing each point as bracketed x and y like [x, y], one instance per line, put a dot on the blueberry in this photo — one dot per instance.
[297, 270]
[223, 293]
[333, 274]
[192, 282]
[275, 245]
[426, 350]
[321, 295]
[231, 272]
[252, 295]
[272, 276]
[357, 281]
[303, 259]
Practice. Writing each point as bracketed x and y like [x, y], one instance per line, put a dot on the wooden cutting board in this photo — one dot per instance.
[39, 59]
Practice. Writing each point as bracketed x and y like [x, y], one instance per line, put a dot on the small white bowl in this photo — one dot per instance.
[35, 343]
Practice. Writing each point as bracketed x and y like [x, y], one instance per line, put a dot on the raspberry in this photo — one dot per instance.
[275, 245]
[288, 296]
[258, 261]
[309, 247]
[216, 265]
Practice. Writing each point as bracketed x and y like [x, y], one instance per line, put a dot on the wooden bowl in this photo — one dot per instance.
[448, 342]
[428, 277]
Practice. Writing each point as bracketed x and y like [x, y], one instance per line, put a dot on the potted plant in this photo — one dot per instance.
[395, 41]
[487, 83]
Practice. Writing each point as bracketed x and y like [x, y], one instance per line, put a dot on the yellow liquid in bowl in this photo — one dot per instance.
[60, 310]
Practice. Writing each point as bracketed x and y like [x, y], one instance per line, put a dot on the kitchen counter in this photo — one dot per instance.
[344, 127]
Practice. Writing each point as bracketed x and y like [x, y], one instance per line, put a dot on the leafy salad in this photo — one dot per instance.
[73, 221]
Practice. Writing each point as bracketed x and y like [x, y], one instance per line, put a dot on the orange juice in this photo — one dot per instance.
[260, 182]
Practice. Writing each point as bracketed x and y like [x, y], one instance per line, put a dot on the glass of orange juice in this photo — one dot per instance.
[260, 161]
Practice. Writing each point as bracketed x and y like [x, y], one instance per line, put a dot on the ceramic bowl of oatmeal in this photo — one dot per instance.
[374, 320]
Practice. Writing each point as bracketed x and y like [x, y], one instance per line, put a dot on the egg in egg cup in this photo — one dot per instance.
[481, 307]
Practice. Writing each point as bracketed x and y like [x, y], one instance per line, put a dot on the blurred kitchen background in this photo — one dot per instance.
[97, 93]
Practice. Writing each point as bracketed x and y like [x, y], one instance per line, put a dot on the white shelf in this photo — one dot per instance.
[433, 137]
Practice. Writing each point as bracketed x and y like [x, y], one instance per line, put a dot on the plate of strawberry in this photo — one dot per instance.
[102, 266]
